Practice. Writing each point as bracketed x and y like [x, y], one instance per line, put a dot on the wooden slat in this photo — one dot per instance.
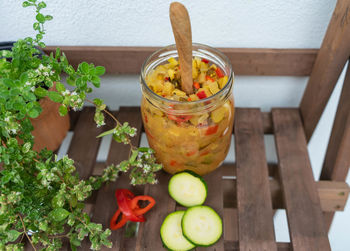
[334, 52]
[73, 118]
[234, 246]
[333, 194]
[216, 201]
[305, 220]
[230, 224]
[148, 237]
[337, 160]
[245, 61]
[255, 215]
[84, 145]
[106, 204]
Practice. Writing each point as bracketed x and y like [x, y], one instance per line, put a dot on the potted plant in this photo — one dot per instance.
[41, 196]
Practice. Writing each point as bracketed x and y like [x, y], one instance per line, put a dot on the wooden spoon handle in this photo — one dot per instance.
[180, 22]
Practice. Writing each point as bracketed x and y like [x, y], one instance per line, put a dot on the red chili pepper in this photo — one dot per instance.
[212, 129]
[124, 198]
[201, 95]
[113, 223]
[173, 162]
[167, 78]
[219, 73]
[196, 85]
[129, 210]
[139, 210]
[209, 78]
[205, 60]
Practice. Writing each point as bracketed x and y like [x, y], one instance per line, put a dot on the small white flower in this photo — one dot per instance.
[37, 71]
[13, 130]
[32, 88]
[28, 83]
[49, 67]
[74, 93]
[46, 74]
[52, 72]
[66, 92]
[79, 100]
[7, 119]
[41, 67]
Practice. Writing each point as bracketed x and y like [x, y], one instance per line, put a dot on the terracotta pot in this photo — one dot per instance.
[49, 128]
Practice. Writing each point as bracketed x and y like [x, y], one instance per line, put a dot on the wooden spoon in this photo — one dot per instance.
[180, 22]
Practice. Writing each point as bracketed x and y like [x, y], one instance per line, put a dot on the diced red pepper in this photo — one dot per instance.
[212, 129]
[209, 78]
[191, 153]
[167, 79]
[138, 210]
[205, 60]
[189, 99]
[196, 85]
[201, 95]
[173, 162]
[146, 119]
[219, 73]
[124, 198]
[148, 134]
[204, 153]
[179, 118]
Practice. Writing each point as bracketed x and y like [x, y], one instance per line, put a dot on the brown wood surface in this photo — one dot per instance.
[215, 200]
[106, 203]
[148, 237]
[255, 215]
[84, 146]
[305, 219]
[337, 160]
[245, 61]
[334, 53]
[234, 246]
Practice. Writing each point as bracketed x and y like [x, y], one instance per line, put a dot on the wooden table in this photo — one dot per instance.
[245, 194]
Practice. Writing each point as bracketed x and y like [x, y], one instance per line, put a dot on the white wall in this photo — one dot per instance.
[240, 23]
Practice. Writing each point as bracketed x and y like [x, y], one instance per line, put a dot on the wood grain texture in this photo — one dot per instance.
[215, 200]
[337, 160]
[255, 215]
[234, 246]
[305, 219]
[181, 25]
[245, 61]
[84, 146]
[148, 237]
[334, 53]
[106, 203]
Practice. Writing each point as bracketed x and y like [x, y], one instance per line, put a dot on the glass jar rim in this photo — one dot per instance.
[218, 94]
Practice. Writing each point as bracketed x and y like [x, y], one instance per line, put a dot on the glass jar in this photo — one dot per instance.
[200, 136]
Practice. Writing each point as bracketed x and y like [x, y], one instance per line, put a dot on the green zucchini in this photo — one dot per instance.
[171, 233]
[201, 225]
[188, 189]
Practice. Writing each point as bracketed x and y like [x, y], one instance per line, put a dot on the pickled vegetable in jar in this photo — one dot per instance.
[188, 132]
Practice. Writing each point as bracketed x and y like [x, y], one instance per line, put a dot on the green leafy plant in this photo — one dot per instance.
[41, 196]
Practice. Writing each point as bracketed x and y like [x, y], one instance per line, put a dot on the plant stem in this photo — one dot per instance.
[25, 231]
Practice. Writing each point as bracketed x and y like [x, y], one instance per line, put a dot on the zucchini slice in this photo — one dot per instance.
[201, 225]
[188, 189]
[171, 233]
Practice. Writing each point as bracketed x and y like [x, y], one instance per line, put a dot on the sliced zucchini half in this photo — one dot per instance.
[188, 189]
[171, 233]
[201, 225]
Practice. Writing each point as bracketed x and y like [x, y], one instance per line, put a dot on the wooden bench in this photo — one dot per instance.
[245, 193]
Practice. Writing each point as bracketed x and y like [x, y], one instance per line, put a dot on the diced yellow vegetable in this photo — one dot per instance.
[171, 73]
[194, 69]
[203, 117]
[168, 89]
[198, 61]
[201, 78]
[161, 69]
[213, 87]
[158, 85]
[195, 120]
[206, 90]
[213, 66]
[222, 81]
[173, 62]
[179, 93]
[218, 114]
[203, 67]
[194, 97]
